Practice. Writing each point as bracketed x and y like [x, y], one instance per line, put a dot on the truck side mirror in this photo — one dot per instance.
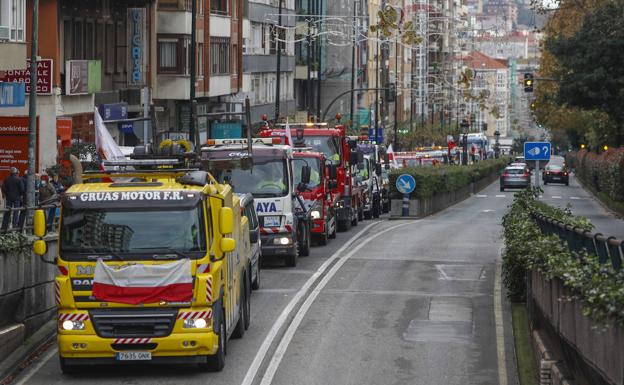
[333, 171]
[378, 168]
[39, 223]
[226, 221]
[305, 174]
[353, 157]
[227, 244]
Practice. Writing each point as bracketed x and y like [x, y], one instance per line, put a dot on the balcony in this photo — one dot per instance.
[220, 26]
[172, 87]
[174, 22]
[220, 85]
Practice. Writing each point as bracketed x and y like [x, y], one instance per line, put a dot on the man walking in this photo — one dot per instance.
[13, 189]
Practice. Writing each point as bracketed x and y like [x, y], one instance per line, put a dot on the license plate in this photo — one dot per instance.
[134, 356]
[272, 221]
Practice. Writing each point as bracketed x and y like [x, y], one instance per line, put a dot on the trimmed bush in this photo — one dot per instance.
[603, 173]
[445, 178]
[598, 286]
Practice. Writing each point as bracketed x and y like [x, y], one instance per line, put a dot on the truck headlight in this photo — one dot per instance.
[315, 214]
[73, 325]
[282, 241]
[199, 323]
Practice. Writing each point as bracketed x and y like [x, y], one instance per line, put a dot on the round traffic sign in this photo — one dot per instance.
[405, 183]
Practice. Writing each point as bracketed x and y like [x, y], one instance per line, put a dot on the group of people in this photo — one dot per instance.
[14, 194]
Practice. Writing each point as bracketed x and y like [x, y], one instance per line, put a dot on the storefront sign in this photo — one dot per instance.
[83, 77]
[114, 111]
[44, 76]
[14, 144]
[136, 47]
[12, 94]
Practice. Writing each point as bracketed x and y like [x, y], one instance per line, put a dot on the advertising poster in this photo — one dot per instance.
[14, 144]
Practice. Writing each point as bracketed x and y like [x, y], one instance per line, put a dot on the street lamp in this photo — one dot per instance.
[496, 144]
[464, 125]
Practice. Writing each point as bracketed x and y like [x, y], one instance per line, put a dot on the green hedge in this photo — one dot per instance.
[598, 286]
[603, 173]
[445, 178]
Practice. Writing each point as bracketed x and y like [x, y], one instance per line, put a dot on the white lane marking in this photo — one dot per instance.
[34, 369]
[556, 197]
[575, 198]
[487, 211]
[500, 196]
[283, 317]
[500, 327]
[292, 328]
[481, 196]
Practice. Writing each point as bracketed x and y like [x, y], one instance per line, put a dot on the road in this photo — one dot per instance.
[396, 302]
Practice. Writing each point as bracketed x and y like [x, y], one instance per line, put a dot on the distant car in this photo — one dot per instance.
[515, 177]
[248, 208]
[555, 174]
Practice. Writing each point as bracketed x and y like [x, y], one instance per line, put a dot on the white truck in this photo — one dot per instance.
[267, 174]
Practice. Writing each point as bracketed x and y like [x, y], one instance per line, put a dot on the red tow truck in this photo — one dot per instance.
[317, 195]
[342, 158]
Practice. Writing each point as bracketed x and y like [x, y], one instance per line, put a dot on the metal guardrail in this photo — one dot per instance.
[608, 249]
[24, 222]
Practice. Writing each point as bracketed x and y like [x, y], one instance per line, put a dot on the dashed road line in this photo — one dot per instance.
[500, 327]
[576, 198]
[556, 197]
[481, 196]
[500, 195]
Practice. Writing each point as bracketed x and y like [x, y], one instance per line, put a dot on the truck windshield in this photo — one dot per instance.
[160, 231]
[268, 178]
[315, 170]
[328, 145]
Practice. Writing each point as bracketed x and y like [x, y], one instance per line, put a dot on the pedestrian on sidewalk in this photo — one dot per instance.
[47, 195]
[13, 191]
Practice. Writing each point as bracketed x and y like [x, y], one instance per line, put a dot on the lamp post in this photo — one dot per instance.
[464, 126]
[496, 144]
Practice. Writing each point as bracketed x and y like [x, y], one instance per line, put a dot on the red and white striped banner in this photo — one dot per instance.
[73, 317]
[203, 268]
[132, 341]
[206, 314]
[209, 289]
[276, 230]
[57, 292]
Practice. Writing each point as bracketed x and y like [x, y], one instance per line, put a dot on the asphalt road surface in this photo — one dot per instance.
[390, 302]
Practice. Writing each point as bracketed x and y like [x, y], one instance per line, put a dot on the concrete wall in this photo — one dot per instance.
[423, 207]
[26, 296]
[598, 349]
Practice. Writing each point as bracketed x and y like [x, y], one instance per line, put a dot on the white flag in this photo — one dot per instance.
[104, 141]
[288, 134]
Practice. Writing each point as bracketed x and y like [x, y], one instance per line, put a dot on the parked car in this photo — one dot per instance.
[248, 208]
[555, 174]
[515, 177]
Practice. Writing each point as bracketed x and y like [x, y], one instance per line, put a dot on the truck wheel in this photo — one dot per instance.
[239, 329]
[344, 225]
[255, 285]
[66, 368]
[305, 245]
[322, 239]
[368, 214]
[216, 362]
[291, 260]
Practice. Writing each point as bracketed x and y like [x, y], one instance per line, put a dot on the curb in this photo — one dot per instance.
[12, 365]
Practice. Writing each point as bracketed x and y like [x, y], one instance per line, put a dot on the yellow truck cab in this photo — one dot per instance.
[153, 267]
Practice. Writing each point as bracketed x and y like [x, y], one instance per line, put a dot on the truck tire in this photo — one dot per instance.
[368, 214]
[255, 284]
[344, 225]
[216, 362]
[66, 368]
[291, 260]
[323, 238]
[239, 329]
[304, 250]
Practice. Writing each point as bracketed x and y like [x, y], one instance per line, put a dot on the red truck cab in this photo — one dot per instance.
[317, 194]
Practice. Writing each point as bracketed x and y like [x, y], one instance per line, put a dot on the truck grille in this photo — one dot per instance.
[133, 323]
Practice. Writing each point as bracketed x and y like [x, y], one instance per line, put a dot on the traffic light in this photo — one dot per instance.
[582, 146]
[528, 82]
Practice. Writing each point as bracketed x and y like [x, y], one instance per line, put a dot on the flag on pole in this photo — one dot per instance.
[288, 134]
[391, 157]
[134, 284]
[104, 142]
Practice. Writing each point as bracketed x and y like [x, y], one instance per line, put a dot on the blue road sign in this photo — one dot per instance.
[536, 151]
[405, 183]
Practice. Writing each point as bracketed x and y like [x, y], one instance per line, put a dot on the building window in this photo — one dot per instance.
[13, 20]
[235, 59]
[219, 7]
[78, 35]
[200, 59]
[110, 47]
[219, 56]
[277, 34]
[90, 40]
[173, 55]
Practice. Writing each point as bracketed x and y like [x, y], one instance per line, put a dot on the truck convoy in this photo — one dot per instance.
[343, 158]
[158, 254]
[153, 267]
[284, 220]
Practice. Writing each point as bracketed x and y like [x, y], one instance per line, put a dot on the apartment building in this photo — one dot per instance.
[267, 34]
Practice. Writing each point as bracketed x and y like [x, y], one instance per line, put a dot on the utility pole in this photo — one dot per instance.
[396, 96]
[377, 73]
[309, 57]
[319, 41]
[193, 69]
[351, 107]
[278, 71]
[32, 108]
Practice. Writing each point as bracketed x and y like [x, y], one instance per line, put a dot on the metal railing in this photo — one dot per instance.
[24, 224]
[608, 249]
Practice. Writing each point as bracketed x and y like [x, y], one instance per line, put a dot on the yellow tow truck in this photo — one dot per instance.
[153, 266]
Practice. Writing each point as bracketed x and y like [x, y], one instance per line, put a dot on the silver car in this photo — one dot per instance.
[515, 177]
[248, 209]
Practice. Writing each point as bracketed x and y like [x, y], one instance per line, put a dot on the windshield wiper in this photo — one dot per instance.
[109, 255]
[175, 254]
